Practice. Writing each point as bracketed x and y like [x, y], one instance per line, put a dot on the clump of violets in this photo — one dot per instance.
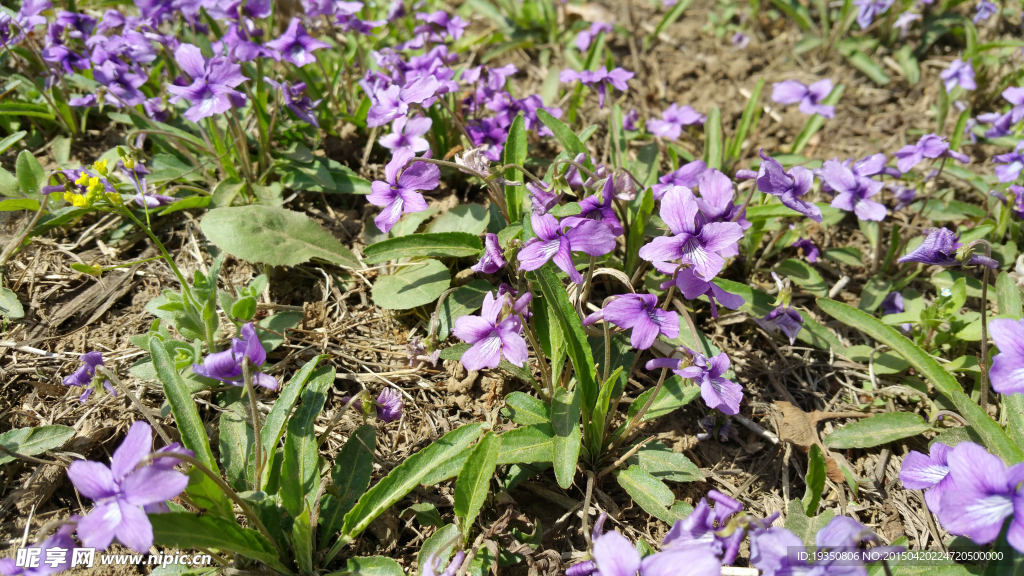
[226, 365]
[124, 492]
[639, 313]
[809, 97]
[296, 45]
[929, 146]
[1007, 372]
[959, 73]
[672, 121]
[495, 334]
[599, 80]
[86, 377]
[212, 90]
[717, 391]
[399, 193]
[787, 186]
[557, 241]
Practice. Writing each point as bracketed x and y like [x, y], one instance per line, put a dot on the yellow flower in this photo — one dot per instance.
[101, 167]
[95, 186]
[115, 198]
[129, 162]
[79, 201]
[83, 179]
[68, 196]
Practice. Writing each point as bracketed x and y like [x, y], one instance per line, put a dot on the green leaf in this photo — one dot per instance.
[869, 67]
[565, 421]
[30, 174]
[187, 203]
[877, 430]
[26, 109]
[566, 137]
[527, 444]
[469, 218]
[465, 300]
[815, 122]
[437, 245]
[995, 439]
[302, 541]
[943, 109]
[675, 393]
[515, 153]
[19, 204]
[351, 474]
[803, 275]
[848, 255]
[884, 362]
[275, 236]
[1014, 404]
[409, 223]
[670, 17]
[664, 463]
[10, 306]
[647, 491]
[236, 437]
[908, 63]
[815, 480]
[371, 566]
[524, 409]
[796, 11]
[274, 425]
[751, 114]
[439, 545]
[713, 145]
[474, 482]
[1008, 296]
[299, 467]
[412, 286]
[11, 140]
[876, 289]
[401, 480]
[32, 441]
[186, 530]
[800, 524]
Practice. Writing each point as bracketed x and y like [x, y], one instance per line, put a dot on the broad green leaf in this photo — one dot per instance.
[875, 290]
[30, 174]
[877, 430]
[448, 469]
[714, 148]
[10, 306]
[302, 541]
[19, 204]
[803, 275]
[236, 437]
[800, 524]
[1008, 296]
[351, 475]
[674, 394]
[274, 425]
[186, 530]
[439, 545]
[848, 255]
[465, 300]
[524, 409]
[412, 286]
[9, 185]
[11, 140]
[515, 153]
[274, 236]
[32, 441]
[566, 137]
[437, 245]
[815, 479]
[884, 362]
[869, 67]
[408, 224]
[299, 469]
[953, 436]
[371, 566]
[469, 218]
[474, 482]
[664, 463]
[647, 491]
[565, 421]
[527, 444]
[1014, 406]
[815, 122]
[995, 438]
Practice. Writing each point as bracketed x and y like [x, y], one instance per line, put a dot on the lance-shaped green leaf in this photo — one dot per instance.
[412, 286]
[664, 463]
[273, 426]
[524, 409]
[515, 153]
[751, 115]
[434, 245]
[351, 474]
[299, 469]
[565, 421]
[1008, 296]
[32, 441]
[815, 480]
[474, 480]
[189, 531]
[714, 148]
[566, 137]
[877, 430]
[236, 437]
[647, 491]
[302, 541]
[527, 444]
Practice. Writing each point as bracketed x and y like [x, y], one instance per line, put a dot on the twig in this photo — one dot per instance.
[258, 448]
[152, 422]
[625, 456]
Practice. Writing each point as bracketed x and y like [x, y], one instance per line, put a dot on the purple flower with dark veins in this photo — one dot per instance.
[809, 97]
[60, 542]
[294, 99]
[226, 366]
[392, 102]
[928, 472]
[672, 121]
[585, 37]
[853, 192]
[783, 318]
[1007, 372]
[122, 84]
[1010, 164]
[640, 313]
[400, 192]
[78, 25]
[717, 200]
[599, 80]
[213, 82]
[122, 490]
[959, 73]
[929, 146]
[984, 493]
[57, 53]
[489, 136]
[495, 333]
[693, 287]
[408, 133]
[940, 249]
[702, 526]
[809, 249]
[598, 207]
[687, 175]
[788, 187]
[492, 259]
[86, 374]
[718, 392]
[868, 10]
[239, 47]
[541, 199]
[553, 241]
[296, 46]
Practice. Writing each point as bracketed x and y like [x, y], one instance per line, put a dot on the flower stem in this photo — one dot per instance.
[984, 340]
[542, 361]
[258, 447]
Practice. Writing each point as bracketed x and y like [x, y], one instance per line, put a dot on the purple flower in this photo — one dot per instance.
[672, 121]
[156, 109]
[811, 251]
[787, 186]
[903, 195]
[959, 72]
[983, 495]
[408, 133]
[226, 366]
[399, 193]
[629, 120]
[1001, 124]
[740, 40]
[1011, 163]
[585, 37]
[687, 175]
[438, 25]
[929, 146]
[57, 53]
[27, 18]
[121, 491]
[211, 91]
[239, 47]
[693, 287]
[903, 22]
[492, 259]
[540, 198]
[853, 192]
[640, 313]
[296, 46]
[716, 201]
[495, 333]
[615, 556]
[489, 136]
[86, 373]
[78, 25]
[693, 242]
[59, 540]
[1015, 96]
[773, 551]
[1007, 371]
[121, 83]
[392, 102]
[929, 473]
[599, 80]
[554, 242]
[809, 97]
[593, 207]
[783, 318]
[302, 106]
[701, 528]
[868, 10]
[432, 564]
[893, 304]
[717, 392]
[985, 11]
[389, 405]
[939, 249]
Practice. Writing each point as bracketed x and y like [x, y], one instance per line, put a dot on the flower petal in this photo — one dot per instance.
[93, 479]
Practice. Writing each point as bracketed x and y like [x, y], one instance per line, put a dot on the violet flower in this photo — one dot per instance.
[640, 313]
[868, 10]
[959, 73]
[629, 120]
[783, 318]
[1007, 372]
[585, 37]
[775, 551]
[408, 133]
[393, 102]
[672, 121]
[903, 21]
[400, 192]
[122, 84]
[86, 374]
[939, 249]
[296, 46]
[853, 192]
[123, 489]
[687, 175]
[740, 40]
[598, 207]
[903, 195]
[156, 109]
[717, 391]
[495, 333]
[1015, 96]
[809, 97]
[438, 25]
[703, 525]
[693, 287]
[693, 242]
[541, 199]
[984, 493]
[893, 304]
[431, 565]
[810, 251]
[213, 82]
[302, 106]
[1011, 163]
[1000, 124]
[599, 80]
[237, 44]
[78, 25]
[868, 166]
[788, 187]
[388, 404]
[717, 200]
[554, 242]
[60, 540]
[492, 259]
[929, 146]
[985, 11]
[929, 473]
[226, 366]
